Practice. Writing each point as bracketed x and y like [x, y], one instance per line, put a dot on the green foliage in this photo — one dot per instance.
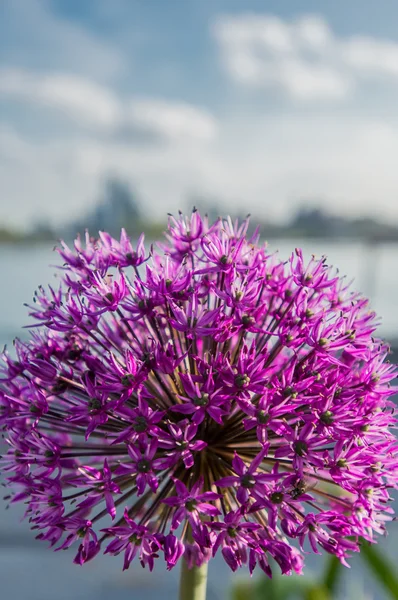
[278, 588]
[8, 236]
[381, 569]
[325, 588]
[332, 574]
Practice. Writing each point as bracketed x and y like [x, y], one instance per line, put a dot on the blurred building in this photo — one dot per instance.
[117, 208]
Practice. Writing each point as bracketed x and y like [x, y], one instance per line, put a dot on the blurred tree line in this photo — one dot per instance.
[119, 205]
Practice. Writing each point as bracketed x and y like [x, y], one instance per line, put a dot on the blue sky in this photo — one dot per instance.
[258, 104]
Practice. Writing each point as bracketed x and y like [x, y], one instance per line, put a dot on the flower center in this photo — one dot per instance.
[81, 532]
[276, 497]
[327, 417]
[190, 504]
[94, 404]
[135, 539]
[301, 448]
[289, 391]
[140, 424]
[202, 400]
[74, 352]
[248, 321]
[242, 381]
[262, 417]
[142, 305]
[143, 465]
[126, 380]
[376, 467]
[247, 481]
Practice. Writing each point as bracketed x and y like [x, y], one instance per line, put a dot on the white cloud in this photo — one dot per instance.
[173, 119]
[313, 32]
[253, 32]
[298, 78]
[81, 100]
[370, 56]
[40, 180]
[262, 165]
[57, 180]
[306, 81]
[33, 36]
[303, 58]
[252, 161]
[95, 106]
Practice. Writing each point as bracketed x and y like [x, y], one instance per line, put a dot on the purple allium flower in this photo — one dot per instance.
[213, 399]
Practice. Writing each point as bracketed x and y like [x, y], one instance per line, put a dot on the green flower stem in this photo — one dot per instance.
[193, 582]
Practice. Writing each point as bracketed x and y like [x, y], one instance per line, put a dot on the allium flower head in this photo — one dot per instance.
[203, 398]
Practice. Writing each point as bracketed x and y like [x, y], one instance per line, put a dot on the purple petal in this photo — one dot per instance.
[230, 558]
[242, 495]
[198, 445]
[227, 481]
[238, 465]
[208, 509]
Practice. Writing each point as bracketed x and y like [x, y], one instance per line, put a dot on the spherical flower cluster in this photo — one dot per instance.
[206, 397]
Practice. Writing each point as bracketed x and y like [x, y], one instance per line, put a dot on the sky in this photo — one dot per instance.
[261, 106]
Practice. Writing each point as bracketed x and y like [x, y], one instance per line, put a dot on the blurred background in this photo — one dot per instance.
[116, 112]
